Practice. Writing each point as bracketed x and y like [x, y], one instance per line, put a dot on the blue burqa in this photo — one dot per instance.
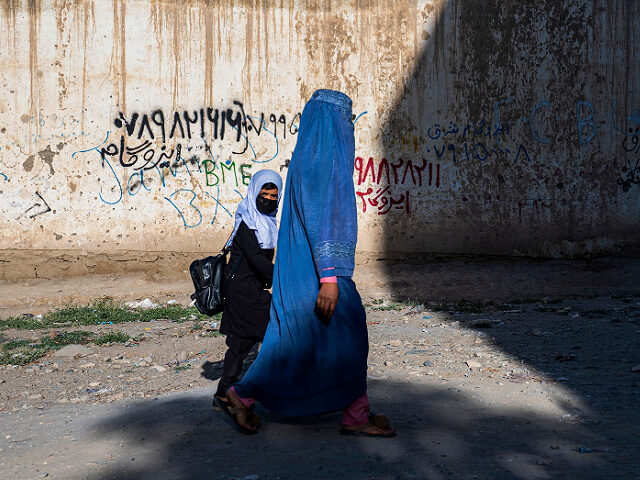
[304, 366]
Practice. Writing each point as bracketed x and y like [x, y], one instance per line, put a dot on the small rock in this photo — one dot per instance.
[35, 396]
[171, 302]
[395, 343]
[44, 475]
[565, 357]
[388, 363]
[83, 398]
[73, 350]
[473, 365]
[485, 323]
[94, 384]
[427, 363]
[87, 365]
[159, 368]
[636, 368]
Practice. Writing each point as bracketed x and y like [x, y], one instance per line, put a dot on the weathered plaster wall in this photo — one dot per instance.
[482, 127]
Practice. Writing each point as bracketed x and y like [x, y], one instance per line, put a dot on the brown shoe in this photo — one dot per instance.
[377, 426]
[245, 420]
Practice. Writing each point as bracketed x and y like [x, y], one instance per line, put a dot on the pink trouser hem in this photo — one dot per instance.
[356, 413]
[247, 402]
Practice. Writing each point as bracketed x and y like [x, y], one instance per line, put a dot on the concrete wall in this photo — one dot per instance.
[483, 127]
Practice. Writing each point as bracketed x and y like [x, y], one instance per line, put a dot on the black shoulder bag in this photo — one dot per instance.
[208, 278]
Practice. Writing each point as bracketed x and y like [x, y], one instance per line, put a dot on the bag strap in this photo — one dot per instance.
[226, 249]
[235, 266]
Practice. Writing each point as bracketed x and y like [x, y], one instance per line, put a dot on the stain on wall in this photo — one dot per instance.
[484, 127]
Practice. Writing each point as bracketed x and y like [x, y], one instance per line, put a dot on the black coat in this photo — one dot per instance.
[247, 301]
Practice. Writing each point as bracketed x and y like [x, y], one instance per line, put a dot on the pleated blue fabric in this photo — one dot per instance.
[304, 366]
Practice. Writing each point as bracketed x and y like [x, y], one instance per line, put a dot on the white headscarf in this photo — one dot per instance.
[265, 226]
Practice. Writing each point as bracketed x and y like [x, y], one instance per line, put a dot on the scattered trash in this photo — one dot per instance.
[426, 317]
[171, 302]
[146, 303]
[589, 450]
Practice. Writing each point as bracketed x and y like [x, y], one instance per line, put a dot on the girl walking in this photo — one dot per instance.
[249, 275]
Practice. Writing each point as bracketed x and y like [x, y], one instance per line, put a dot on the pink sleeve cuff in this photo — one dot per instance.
[329, 280]
[328, 275]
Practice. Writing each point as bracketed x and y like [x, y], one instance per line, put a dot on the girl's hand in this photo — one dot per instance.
[327, 300]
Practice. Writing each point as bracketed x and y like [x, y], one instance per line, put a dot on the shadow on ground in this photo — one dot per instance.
[443, 430]
[213, 370]
[442, 434]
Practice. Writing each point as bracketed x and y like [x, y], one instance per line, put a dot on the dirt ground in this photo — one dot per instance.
[538, 385]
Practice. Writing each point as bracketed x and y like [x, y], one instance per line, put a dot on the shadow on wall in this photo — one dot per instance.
[508, 136]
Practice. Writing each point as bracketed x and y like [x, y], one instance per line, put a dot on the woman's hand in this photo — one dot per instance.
[327, 300]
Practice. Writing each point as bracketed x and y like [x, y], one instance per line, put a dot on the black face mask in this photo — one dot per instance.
[266, 206]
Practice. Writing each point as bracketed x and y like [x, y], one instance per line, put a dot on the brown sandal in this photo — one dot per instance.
[378, 421]
[236, 408]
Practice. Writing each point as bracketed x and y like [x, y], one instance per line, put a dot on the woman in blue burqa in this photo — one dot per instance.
[314, 356]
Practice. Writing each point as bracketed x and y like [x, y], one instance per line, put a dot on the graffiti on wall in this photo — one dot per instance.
[52, 127]
[154, 139]
[190, 155]
[40, 207]
[630, 174]
[385, 186]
